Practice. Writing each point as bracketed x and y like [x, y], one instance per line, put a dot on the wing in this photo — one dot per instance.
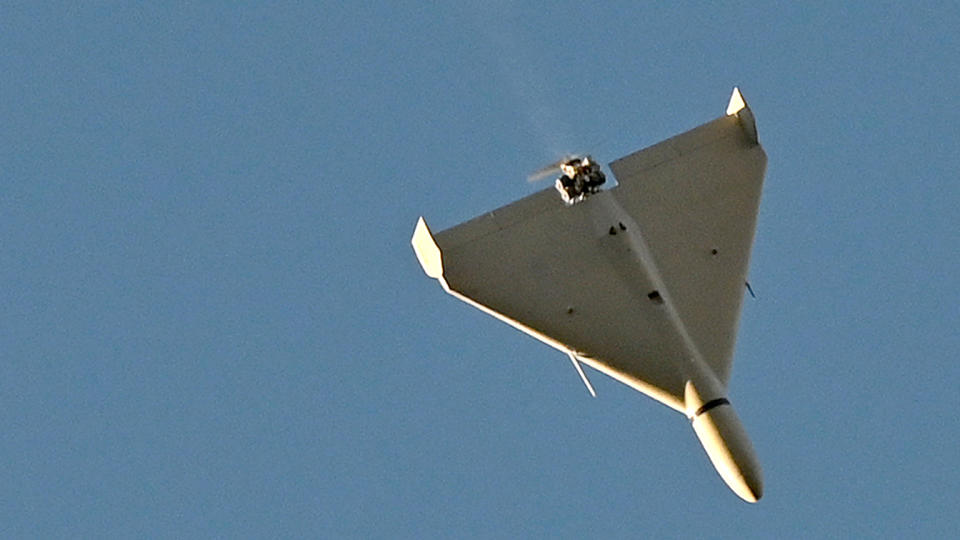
[556, 273]
[695, 197]
[596, 279]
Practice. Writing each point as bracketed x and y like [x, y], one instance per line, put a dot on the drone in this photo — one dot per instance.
[646, 277]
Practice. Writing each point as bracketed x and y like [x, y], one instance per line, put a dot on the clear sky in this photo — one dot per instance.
[212, 322]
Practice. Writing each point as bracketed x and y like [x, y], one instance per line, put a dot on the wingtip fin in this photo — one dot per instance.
[738, 106]
[736, 103]
[428, 253]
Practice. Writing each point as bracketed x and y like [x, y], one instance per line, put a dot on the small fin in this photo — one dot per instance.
[738, 106]
[427, 251]
[736, 102]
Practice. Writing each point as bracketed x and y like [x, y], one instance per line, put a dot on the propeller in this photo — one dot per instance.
[551, 169]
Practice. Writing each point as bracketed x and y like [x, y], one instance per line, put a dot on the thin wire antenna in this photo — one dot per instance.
[749, 288]
[583, 376]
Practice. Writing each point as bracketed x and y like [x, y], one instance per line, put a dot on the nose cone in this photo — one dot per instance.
[748, 485]
[726, 443]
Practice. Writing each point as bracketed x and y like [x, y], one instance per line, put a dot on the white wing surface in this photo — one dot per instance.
[695, 197]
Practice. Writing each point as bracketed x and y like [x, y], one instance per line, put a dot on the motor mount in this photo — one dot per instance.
[581, 177]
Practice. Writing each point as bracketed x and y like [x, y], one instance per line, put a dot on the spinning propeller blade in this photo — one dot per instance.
[550, 169]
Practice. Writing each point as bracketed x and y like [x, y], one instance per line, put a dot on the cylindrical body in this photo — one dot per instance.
[726, 442]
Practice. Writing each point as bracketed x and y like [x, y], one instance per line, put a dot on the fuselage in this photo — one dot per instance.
[705, 398]
[723, 438]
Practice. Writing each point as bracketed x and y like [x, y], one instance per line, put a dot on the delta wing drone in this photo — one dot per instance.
[642, 282]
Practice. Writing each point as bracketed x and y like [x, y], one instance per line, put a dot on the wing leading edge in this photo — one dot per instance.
[634, 281]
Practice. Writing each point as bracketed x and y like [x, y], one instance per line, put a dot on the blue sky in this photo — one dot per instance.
[213, 323]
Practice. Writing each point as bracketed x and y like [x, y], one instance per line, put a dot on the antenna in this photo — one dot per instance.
[583, 376]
